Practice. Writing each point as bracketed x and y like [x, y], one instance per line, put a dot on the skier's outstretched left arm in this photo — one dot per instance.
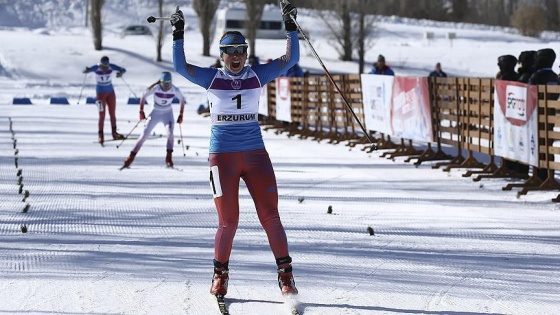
[120, 70]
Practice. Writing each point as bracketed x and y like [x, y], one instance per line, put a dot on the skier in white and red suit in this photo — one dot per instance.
[164, 92]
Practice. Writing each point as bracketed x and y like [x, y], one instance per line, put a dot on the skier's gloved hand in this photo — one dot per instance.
[180, 119]
[288, 11]
[86, 70]
[142, 115]
[119, 74]
[178, 24]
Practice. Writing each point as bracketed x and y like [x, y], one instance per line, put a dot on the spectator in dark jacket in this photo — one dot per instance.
[527, 61]
[544, 59]
[380, 67]
[294, 72]
[507, 65]
[438, 72]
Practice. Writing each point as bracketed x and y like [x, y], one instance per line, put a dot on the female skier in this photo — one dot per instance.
[106, 94]
[164, 92]
[236, 146]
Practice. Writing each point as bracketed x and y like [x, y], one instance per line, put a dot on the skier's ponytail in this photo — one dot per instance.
[152, 86]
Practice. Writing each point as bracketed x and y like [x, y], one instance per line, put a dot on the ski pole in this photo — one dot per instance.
[152, 19]
[182, 142]
[129, 87]
[82, 89]
[129, 133]
[373, 145]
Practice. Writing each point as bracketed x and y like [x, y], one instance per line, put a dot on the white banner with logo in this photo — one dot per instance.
[377, 94]
[263, 101]
[283, 99]
[516, 122]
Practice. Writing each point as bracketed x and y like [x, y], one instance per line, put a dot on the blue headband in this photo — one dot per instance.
[232, 40]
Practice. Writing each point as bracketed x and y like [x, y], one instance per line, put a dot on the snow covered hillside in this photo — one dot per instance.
[140, 241]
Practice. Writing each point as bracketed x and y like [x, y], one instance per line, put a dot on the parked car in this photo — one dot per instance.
[136, 30]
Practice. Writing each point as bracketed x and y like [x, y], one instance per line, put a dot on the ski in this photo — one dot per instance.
[175, 168]
[112, 140]
[166, 167]
[222, 305]
[293, 303]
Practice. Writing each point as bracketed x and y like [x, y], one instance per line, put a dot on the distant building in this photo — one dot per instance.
[233, 19]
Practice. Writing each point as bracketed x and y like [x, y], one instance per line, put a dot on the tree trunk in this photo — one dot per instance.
[253, 16]
[206, 9]
[346, 32]
[159, 43]
[96, 24]
[361, 39]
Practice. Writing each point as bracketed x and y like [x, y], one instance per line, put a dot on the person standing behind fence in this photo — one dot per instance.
[237, 149]
[294, 72]
[164, 92]
[527, 68]
[507, 65]
[106, 99]
[438, 72]
[544, 59]
[381, 68]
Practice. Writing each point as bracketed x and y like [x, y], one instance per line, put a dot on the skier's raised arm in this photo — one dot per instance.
[197, 75]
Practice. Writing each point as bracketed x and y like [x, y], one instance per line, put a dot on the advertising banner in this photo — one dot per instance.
[377, 92]
[263, 101]
[515, 122]
[283, 99]
[411, 114]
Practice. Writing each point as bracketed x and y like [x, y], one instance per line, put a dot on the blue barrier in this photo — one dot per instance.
[91, 100]
[133, 101]
[59, 101]
[21, 101]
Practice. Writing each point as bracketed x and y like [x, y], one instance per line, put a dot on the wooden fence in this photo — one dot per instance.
[462, 117]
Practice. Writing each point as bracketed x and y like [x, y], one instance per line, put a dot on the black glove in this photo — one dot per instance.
[178, 24]
[119, 74]
[180, 119]
[288, 10]
[87, 69]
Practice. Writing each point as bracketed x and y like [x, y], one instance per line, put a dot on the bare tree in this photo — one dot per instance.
[350, 28]
[253, 17]
[159, 39]
[339, 24]
[96, 24]
[364, 35]
[206, 9]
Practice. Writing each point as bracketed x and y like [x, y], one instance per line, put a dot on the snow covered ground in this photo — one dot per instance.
[140, 241]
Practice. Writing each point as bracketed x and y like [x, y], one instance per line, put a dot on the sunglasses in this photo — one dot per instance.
[234, 49]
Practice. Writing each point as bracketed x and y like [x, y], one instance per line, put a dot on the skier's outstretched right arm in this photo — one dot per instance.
[197, 75]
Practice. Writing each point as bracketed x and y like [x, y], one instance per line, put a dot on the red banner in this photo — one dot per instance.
[411, 114]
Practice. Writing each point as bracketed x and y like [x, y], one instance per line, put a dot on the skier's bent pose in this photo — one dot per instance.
[164, 92]
[236, 146]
